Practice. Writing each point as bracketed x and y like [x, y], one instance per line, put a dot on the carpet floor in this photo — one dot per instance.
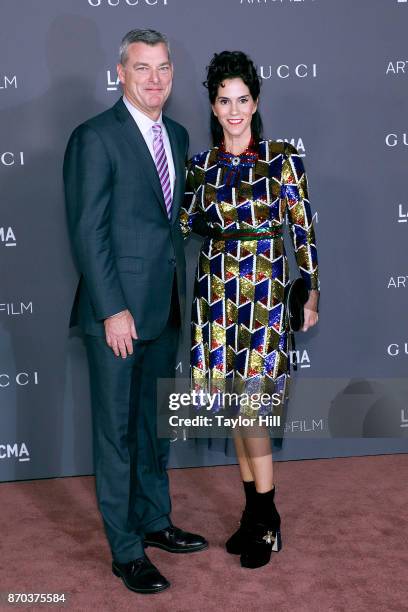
[344, 531]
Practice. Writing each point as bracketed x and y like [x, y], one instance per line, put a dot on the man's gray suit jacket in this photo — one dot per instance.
[127, 249]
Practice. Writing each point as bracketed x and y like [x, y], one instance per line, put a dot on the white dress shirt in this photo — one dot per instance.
[144, 123]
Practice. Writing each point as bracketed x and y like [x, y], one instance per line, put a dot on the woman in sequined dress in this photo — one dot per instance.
[239, 194]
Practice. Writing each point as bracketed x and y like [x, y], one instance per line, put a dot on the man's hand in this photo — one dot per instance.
[119, 331]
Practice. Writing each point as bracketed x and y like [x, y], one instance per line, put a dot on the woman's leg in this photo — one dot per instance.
[245, 467]
[258, 456]
[235, 544]
[264, 531]
[255, 462]
[255, 459]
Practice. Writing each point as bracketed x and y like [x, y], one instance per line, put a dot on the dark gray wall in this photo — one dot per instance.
[335, 82]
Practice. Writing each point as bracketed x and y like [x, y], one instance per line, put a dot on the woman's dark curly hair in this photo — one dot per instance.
[232, 65]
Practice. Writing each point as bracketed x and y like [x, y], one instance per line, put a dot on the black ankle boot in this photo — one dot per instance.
[263, 535]
[235, 543]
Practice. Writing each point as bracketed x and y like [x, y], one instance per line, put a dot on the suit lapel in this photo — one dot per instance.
[135, 138]
[178, 160]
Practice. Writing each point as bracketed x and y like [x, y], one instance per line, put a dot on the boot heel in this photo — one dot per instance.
[277, 545]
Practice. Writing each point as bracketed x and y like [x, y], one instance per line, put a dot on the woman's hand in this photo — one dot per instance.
[311, 318]
[310, 310]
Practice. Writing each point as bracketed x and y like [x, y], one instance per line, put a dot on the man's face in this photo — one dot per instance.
[147, 77]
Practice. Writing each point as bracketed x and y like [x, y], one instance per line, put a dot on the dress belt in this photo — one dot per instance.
[256, 233]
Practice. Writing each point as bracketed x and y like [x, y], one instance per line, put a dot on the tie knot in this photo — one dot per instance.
[157, 130]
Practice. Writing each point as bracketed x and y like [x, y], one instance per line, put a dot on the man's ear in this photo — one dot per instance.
[121, 72]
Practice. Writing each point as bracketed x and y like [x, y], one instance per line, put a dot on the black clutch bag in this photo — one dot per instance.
[296, 296]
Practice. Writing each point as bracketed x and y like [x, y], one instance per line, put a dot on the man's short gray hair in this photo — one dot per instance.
[149, 37]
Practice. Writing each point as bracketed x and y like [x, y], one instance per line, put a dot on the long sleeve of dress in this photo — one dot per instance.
[294, 190]
[191, 215]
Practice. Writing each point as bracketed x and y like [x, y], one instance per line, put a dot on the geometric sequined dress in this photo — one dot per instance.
[239, 330]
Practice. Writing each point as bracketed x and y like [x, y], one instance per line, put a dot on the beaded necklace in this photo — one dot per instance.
[246, 159]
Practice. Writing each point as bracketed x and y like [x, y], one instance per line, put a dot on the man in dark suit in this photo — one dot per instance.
[124, 184]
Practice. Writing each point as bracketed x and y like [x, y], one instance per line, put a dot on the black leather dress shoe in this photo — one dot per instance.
[175, 540]
[140, 576]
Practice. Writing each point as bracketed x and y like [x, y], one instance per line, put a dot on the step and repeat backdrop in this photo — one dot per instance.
[335, 76]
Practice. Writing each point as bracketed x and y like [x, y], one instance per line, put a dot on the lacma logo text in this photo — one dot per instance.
[15, 451]
[7, 236]
[298, 144]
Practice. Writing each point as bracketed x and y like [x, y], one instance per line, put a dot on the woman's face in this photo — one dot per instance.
[234, 107]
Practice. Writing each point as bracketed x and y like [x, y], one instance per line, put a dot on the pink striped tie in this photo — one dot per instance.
[161, 165]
